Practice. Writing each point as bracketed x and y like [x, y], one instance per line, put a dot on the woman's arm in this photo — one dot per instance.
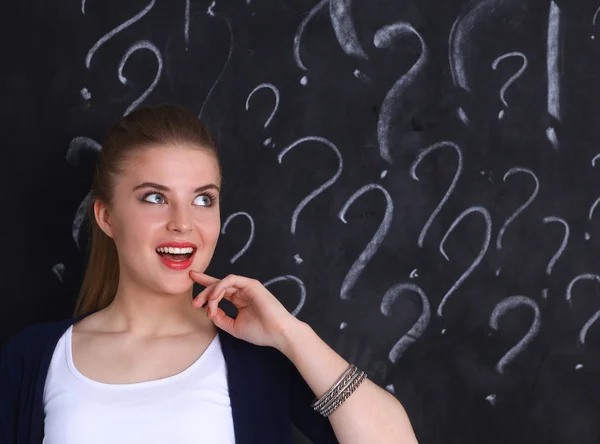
[369, 415]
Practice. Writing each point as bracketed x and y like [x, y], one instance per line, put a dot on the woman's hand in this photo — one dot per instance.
[261, 320]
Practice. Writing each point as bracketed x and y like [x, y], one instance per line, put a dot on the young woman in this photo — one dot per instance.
[145, 361]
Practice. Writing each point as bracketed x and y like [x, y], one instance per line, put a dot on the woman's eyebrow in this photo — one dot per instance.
[165, 188]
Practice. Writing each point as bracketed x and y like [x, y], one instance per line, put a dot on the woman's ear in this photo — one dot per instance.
[102, 215]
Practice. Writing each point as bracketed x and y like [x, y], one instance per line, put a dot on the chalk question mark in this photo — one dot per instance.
[300, 33]
[275, 108]
[343, 26]
[509, 304]
[414, 333]
[594, 21]
[81, 146]
[323, 187]
[250, 238]
[115, 31]
[78, 147]
[144, 44]
[519, 210]
[484, 247]
[512, 79]
[85, 93]
[597, 201]
[584, 330]
[417, 330]
[459, 44]
[560, 250]
[289, 277]
[590, 215]
[375, 242]
[384, 38]
[59, 271]
[275, 92]
[413, 174]
[563, 244]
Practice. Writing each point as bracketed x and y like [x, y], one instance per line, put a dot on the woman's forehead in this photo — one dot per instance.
[173, 167]
[173, 162]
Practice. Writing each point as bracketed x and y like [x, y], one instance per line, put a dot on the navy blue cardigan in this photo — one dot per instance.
[267, 392]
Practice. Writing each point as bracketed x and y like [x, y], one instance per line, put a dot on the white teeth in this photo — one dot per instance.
[172, 250]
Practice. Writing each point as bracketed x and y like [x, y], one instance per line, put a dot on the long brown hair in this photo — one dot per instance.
[143, 128]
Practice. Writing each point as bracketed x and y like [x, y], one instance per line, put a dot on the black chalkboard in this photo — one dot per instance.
[417, 180]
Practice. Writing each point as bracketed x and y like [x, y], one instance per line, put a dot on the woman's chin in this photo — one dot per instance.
[176, 286]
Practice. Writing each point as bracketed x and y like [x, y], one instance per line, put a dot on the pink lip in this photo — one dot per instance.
[181, 265]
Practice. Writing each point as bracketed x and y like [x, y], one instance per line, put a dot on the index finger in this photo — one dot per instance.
[202, 278]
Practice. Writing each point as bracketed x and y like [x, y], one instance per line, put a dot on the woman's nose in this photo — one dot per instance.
[180, 220]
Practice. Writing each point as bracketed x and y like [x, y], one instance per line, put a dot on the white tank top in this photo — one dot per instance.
[192, 406]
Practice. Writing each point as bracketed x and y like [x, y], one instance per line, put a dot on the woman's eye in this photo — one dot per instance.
[154, 198]
[203, 200]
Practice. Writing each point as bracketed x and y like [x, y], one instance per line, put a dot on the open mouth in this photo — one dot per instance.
[176, 254]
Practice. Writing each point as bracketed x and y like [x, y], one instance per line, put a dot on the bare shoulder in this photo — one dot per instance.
[90, 324]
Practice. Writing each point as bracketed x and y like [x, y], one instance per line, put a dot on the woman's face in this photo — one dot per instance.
[166, 194]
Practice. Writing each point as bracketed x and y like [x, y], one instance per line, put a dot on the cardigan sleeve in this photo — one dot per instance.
[316, 427]
[8, 395]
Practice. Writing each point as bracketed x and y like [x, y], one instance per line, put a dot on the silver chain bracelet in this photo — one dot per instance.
[318, 403]
[345, 394]
[340, 391]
